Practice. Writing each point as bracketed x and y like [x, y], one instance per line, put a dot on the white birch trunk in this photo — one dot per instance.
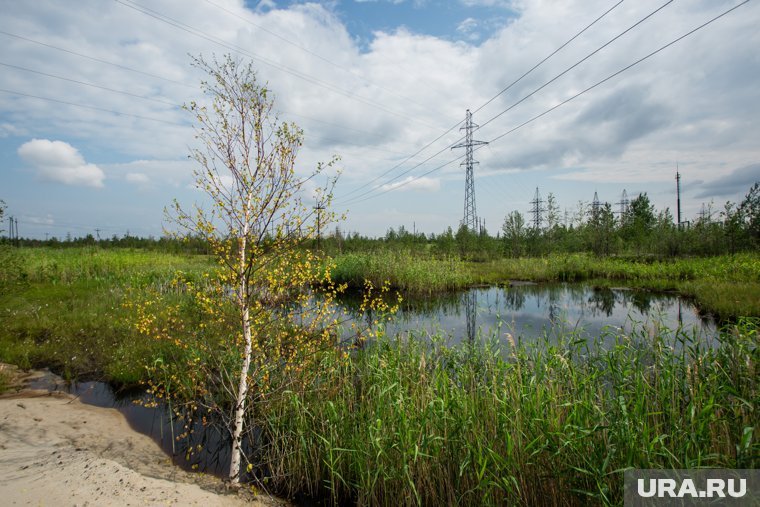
[237, 431]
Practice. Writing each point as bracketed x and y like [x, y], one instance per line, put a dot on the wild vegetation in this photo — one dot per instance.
[413, 421]
[409, 418]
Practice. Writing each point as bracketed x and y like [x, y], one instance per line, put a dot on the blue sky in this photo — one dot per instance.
[92, 136]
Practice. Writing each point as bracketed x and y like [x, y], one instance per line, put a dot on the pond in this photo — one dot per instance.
[529, 312]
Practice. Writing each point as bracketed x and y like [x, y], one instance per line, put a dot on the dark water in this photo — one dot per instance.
[527, 312]
[158, 422]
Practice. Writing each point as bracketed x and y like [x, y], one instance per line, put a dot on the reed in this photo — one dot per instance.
[414, 421]
[402, 270]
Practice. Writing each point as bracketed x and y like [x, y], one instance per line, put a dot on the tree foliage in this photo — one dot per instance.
[258, 318]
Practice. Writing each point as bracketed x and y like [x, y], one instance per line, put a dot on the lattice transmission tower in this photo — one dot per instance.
[596, 206]
[470, 218]
[537, 210]
[623, 203]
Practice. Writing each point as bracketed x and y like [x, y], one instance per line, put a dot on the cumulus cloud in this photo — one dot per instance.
[60, 162]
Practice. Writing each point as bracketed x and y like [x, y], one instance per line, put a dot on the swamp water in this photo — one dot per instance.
[530, 312]
[525, 311]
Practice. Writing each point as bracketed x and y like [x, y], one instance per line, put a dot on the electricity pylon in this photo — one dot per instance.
[470, 219]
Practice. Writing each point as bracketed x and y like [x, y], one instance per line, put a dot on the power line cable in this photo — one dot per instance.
[571, 39]
[180, 106]
[611, 76]
[95, 108]
[92, 85]
[88, 57]
[615, 74]
[576, 64]
[232, 47]
[525, 74]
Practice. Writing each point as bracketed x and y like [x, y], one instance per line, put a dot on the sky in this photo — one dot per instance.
[93, 138]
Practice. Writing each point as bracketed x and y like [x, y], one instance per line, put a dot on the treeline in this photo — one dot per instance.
[641, 230]
[168, 244]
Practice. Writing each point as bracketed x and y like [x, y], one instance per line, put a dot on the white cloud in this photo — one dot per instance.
[266, 5]
[410, 183]
[60, 162]
[8, 130]
[38, 220]
[137, 178]
[469, 28]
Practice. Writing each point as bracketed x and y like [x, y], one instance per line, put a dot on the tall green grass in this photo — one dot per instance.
[402, 270]
[404, 422]
[62, 308]
[105, 266]
[726, 286]
[579, 267]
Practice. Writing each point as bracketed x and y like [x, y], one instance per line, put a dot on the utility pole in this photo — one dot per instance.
[470, 218]
[678, 195]
[537, 210]
[319, 209]
[97, 234]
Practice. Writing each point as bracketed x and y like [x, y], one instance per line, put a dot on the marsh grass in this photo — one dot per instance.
[414, 421]
[62, 308]
[725, 286]
[405, 272]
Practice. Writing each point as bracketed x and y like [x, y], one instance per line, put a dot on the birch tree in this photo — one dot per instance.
[255, 220]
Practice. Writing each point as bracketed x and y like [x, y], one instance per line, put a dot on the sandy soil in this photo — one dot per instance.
[55, 450]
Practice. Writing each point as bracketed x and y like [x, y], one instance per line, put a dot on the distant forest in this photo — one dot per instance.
[641, 230]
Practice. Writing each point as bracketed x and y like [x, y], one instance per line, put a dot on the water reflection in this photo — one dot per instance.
[529, 311]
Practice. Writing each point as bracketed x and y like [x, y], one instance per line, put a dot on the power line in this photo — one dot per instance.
[92, 85]
[575, 96]
[232, 47]
[99, 60]
[597, 50]
[525, 74]
[95, 108]
[615, 74]
[175, 105]
[560, 48]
